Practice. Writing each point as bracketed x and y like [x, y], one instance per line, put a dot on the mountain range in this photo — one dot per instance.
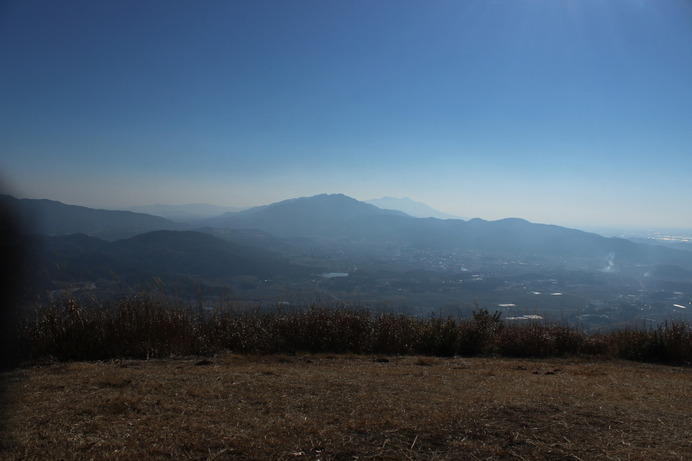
[338, 218]
[333, 247]
[327, 232]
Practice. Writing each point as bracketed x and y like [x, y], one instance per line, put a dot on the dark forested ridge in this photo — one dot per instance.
[158, 254]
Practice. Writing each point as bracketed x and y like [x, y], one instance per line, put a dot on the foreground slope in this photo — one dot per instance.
[347, 407]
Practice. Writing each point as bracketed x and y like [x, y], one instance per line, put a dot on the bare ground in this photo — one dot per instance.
[347, 407]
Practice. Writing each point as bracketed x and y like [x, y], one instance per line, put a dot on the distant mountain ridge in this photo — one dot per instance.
[410, 207]
[184, 213]
[337, 217]
[50, 217]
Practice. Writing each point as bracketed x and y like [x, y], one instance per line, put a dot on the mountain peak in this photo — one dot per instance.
[304, 216]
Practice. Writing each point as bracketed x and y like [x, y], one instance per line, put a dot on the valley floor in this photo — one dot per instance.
[347, 407]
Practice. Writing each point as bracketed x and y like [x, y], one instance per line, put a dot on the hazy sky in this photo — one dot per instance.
[565, 112]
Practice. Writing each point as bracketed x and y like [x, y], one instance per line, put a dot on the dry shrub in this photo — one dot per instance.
[539, 340]
[145, 327]
[318, 329]
[241, 332]
[668, 343]
[478, 336]
[396, 334]
[138, 327]
[441, 337]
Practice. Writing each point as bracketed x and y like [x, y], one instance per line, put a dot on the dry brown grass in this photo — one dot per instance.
[348, 407]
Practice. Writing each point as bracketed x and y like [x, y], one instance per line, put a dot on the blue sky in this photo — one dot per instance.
[576, 113]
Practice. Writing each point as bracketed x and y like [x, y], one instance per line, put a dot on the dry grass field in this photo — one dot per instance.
[347, 407]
